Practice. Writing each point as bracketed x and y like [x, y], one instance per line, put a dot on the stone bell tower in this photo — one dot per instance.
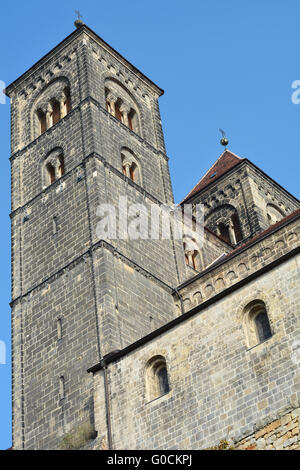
[85, 129]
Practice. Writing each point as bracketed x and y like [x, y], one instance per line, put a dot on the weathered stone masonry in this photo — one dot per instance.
[219, 387]
[80, 302]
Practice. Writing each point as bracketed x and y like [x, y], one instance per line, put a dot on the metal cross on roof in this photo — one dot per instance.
[78, 14]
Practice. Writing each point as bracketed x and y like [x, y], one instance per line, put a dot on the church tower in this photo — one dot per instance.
[240, 200]
[85, 130]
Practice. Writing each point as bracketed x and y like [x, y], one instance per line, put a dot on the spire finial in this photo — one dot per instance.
[79, 21]
[224, 141]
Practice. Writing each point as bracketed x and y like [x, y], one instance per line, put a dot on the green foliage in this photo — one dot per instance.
[223, 445]
[78, 437]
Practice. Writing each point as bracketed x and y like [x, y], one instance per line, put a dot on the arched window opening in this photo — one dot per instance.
[236, 227]
[162, 376]
[256, 323]
[130, 166]
[55, 113]
[224, 232]
[263, 326]
[42, 121]
[132, 171]
[108, 107]
[67, 102]
[118, 112]
[224, 220]
[131, 119]
[61, 168]
[53, 104]
[192, 254]
[157, 380]
[196, 260]
[51, 173]
[274, 214]
[53, 167]
[120, 103]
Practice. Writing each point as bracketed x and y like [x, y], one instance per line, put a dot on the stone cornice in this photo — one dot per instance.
[87, 254]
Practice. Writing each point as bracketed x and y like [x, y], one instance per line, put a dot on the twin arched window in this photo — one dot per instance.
[130, 166]
[225, 221]
[231, 231]
[53, 167]
[192, 254]
[157, 380]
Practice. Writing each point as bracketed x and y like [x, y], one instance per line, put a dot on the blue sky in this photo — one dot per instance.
[222, 63]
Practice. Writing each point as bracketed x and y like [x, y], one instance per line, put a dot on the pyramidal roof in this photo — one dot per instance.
[82, 28]
[225, 162]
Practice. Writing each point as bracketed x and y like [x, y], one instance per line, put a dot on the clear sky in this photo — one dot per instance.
[222, 63]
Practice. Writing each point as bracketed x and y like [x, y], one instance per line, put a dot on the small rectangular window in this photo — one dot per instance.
[61, 387]
[59, 328]
[54, 225]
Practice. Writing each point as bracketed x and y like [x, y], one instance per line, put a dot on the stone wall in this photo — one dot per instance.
[281, 434]
[219, 387]
[241, 264]
[107, 295]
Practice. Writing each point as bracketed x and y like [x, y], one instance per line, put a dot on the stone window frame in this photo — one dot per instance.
[121, 104]
[250, 312]
[229, 222]
[192, 253]
[131, 167]
[274, 214]
[53, 167]
[62, 388]
[59, 329]
[153, 384]
[52, 105]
